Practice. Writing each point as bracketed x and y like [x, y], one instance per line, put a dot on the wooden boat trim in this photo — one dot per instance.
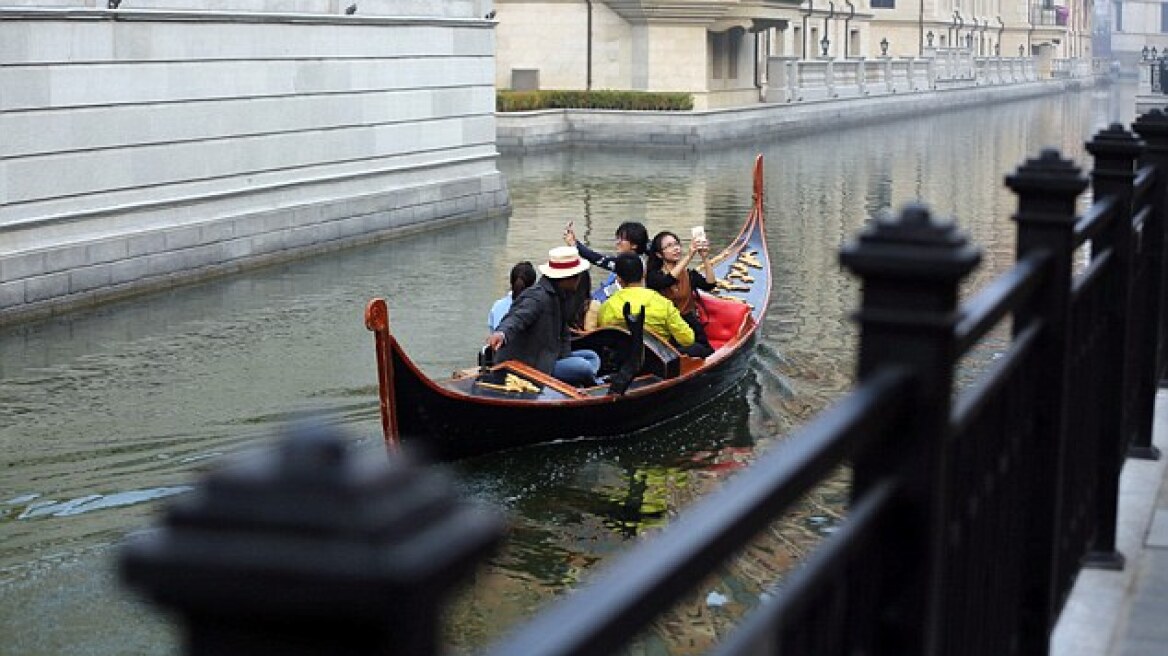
[531, 373]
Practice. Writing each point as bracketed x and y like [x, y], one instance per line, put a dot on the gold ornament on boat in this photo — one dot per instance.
[512, 384]
[750, 258]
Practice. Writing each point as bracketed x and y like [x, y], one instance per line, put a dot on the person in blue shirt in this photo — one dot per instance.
[537, 328]
[522, 276]
[631, 237]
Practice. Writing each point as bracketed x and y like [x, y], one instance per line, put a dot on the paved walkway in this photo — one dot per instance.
[1125, 613]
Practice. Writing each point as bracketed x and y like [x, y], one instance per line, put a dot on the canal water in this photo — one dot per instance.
[106, 413]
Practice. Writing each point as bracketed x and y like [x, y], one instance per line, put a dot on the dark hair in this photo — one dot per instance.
[628, 267]
[655, 261]
[636, 233]
[578, 308]
[522, 277]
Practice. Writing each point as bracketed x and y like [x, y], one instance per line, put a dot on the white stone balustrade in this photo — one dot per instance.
[794, 80]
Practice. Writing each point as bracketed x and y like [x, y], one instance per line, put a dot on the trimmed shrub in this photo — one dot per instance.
[520, 101]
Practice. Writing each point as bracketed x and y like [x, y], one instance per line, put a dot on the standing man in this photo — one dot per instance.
[535, 330]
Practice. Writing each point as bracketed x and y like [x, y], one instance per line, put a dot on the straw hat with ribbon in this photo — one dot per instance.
[563, 262]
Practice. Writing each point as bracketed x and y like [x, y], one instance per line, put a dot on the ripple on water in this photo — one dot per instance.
[93, 502]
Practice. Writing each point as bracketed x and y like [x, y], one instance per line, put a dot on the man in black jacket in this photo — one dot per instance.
[535, 330]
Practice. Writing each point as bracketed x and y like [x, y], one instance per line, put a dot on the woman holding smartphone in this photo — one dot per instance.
[668, 272]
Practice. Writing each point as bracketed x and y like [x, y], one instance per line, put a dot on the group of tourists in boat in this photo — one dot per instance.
[535, 321]
[670, 328]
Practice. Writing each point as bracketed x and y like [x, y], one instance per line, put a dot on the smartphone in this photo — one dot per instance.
[699, 233]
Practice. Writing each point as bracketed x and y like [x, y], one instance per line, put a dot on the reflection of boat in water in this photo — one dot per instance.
[511, 404]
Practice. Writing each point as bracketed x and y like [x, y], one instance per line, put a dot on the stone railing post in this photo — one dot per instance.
[1047, 188]
[1115, 151]
[312, 550]
[1153, 129]
[793, 81]
[911, 268]
[915, 74]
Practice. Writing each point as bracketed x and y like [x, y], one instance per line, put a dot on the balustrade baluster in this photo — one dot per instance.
[911, 269]
[1153, 129]
[1115, 151]
[1047, 188]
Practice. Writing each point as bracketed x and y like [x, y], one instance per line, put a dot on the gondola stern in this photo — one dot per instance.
[377, 322]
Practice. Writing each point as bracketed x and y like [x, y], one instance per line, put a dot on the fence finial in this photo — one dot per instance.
[313, 549]
[911, 244]
[1113, 142]
[1047, 187]
[1152, 127]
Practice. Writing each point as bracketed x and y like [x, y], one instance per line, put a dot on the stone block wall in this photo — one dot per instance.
[140, 148]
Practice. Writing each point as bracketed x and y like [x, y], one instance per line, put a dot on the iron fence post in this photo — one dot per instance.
[1115, 151]
[911, 268]
[1047, 188]
[1153, 129]
[312, 550]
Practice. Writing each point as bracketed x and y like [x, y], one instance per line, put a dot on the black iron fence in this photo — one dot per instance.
[1156, 69]
[971, 510]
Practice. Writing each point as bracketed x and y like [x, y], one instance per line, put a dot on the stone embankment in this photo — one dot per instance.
[522, 132]
[147, 148]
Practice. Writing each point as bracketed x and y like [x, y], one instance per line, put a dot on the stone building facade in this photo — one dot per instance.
[717, 50]
[150, 142]
[1135, 25]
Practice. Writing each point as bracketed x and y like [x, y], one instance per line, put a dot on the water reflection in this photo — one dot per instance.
[103, 412]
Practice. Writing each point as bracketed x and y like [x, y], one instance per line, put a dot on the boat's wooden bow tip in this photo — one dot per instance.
[377, 315]
[758, 178]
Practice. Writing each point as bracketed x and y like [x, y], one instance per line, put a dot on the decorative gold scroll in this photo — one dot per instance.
[512, 384]
[750, 258]
[738, 278]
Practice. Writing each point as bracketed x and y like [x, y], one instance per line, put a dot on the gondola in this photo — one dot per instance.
[508, 404]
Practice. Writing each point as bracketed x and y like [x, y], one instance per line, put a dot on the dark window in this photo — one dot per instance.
[1164, 18]
[883, 4]
[1119, 17]
[734, 42]
[717, 54]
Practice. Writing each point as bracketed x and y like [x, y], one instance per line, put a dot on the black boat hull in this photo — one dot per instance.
[447, 426]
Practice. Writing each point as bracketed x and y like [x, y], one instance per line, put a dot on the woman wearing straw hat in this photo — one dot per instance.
[535, 331]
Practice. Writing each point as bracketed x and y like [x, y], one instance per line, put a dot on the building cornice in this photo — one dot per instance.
[697, 11]
[178, 16]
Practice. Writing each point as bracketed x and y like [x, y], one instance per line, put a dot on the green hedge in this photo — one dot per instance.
[519, 101]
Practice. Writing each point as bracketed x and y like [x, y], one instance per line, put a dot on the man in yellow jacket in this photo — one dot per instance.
[661, 315]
